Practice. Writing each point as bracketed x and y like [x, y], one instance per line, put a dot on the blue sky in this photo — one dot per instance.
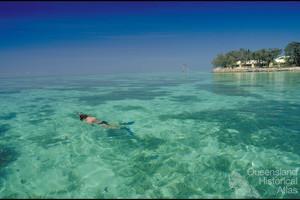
[45, 38]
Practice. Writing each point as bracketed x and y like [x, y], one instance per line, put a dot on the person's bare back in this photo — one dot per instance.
[91, 120]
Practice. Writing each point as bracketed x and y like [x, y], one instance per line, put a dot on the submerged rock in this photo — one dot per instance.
[241, 187]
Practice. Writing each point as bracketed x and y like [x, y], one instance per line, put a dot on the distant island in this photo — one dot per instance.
[263, 60]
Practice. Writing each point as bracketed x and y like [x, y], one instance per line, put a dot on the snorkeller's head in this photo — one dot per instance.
[83, 116]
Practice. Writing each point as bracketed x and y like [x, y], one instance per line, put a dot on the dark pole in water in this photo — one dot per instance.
[185, 69]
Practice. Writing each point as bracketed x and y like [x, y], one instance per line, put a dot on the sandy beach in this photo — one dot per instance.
[243, 69]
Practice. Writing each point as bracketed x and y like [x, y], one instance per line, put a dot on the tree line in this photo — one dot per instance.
[259, 58]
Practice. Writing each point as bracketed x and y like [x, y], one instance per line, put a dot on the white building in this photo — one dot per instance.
[281, 59]
[251, 63]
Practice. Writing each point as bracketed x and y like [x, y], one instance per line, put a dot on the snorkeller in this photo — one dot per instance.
[93, 120]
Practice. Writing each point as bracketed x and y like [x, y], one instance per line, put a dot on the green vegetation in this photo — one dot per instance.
[260, 58]
[293, 51]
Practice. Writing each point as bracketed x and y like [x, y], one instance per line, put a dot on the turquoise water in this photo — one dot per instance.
[195, 136]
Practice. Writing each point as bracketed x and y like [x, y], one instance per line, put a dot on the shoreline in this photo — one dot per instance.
[269, 69]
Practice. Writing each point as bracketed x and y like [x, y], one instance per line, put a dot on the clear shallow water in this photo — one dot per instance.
[194, 136]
